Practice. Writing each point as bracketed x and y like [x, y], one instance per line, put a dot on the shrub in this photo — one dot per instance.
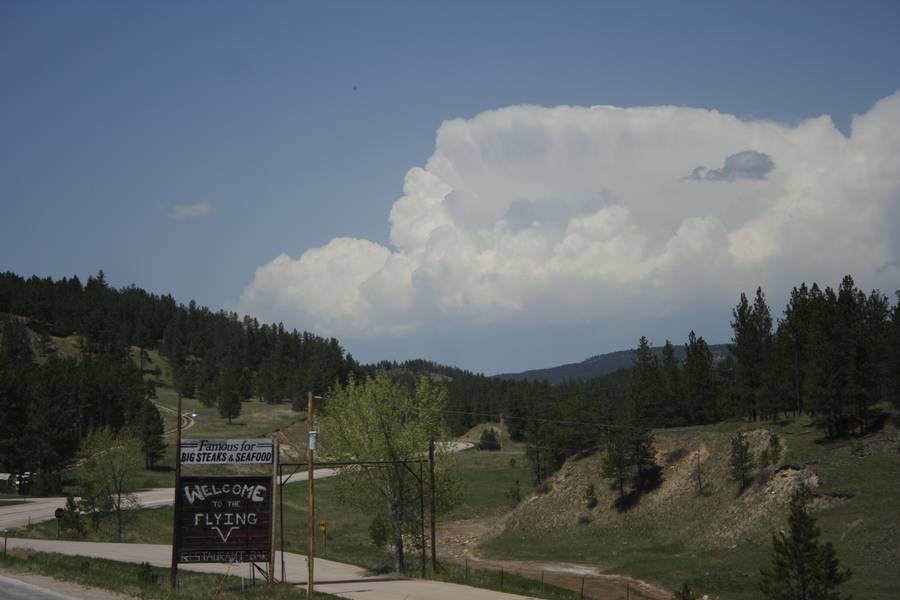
[590, 496]
[514, 493]
[72, 520]
[489, 440]
[146, 575]
[380, 530]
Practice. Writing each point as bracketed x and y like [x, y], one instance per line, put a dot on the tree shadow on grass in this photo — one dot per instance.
[648, 481]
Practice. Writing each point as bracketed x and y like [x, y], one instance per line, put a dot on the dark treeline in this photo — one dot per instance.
[833, 355]
[48, 406]
[214, 356]
[211, 353]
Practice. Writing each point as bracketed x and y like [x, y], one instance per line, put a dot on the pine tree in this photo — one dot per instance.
[673, 409]
[645, 385]
[796, 325]
[150, 430]
[802, 567]
[617, 463]
[699, 381]
[229, 402]
[642, 453]
[740, 460]
[893, 355]
[752, 327]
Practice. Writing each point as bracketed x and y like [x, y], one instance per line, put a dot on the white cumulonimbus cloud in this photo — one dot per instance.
[573, 215]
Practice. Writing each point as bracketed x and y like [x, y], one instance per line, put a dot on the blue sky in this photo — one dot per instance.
[280, 127]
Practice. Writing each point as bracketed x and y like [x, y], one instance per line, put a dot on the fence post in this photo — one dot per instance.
[466, 576]
[542, 582]
[582, 588]
[501, 580]
[5, 535]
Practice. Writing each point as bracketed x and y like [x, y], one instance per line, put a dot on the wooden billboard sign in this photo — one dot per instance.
[225, 519]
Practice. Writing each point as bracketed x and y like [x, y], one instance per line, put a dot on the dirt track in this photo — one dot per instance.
[457, 541]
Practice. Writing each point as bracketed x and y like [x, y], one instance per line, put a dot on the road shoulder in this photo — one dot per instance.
[64, 588]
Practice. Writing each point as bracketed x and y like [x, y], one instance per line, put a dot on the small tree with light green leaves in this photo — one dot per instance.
[110, 463]
[379, 419]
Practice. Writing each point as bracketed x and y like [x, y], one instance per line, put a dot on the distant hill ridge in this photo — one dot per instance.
[600, 365]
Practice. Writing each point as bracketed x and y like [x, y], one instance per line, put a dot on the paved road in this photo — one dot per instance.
[13, 589]
[35, 510]
[14, 586]
[333, 577]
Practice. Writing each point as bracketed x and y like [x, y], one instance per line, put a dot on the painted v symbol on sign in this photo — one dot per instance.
[225, 536]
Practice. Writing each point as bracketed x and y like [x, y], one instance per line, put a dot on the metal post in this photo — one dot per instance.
[582, 588]
[281, 518]
[501, 580]
[5, 536]
[434, 564]
[542, 582]
[311, 500]
[173, 571]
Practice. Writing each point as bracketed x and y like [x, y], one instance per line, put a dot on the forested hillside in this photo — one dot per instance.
[834, 354]
[601, 365]
[48, 402]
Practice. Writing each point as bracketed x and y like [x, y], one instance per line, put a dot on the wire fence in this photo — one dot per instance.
[535, 582]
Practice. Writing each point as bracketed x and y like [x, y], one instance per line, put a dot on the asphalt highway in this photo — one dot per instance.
[13, 589]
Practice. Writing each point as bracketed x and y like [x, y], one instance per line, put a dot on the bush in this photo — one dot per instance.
[72, 521]
[514, 493]
[146, 575]
[774, 448]
[590, 496]
[46, 483]
[380, 530]
[489, 440]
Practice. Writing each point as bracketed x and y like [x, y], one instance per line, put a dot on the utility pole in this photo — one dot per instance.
[271, 578]
[311, 498]
[434, 564]
[173, 571]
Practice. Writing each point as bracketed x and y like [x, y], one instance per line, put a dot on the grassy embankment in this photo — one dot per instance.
[141, 581]
[716, 539]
